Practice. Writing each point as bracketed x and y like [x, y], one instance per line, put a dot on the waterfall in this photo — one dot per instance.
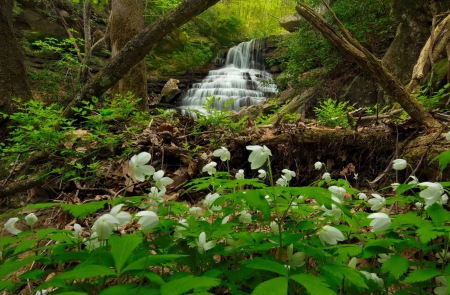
[242, 81]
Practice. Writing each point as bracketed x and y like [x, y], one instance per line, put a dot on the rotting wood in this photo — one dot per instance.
[375, 138]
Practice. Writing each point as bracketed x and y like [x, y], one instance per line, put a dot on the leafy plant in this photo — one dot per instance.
[332, 113]
[432, 100]
[271, 239]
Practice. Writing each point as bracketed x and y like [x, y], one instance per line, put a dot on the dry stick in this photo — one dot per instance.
[93, 189]
[12, 170]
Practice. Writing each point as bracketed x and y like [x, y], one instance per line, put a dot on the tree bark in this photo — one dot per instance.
[351, 48]
[87, 41]
[135, 50]
[435, 45]
[127, 20]
[13, 77]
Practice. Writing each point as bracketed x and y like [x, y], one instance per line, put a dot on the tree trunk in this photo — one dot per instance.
[13, 77]
[87, 41]
[127, 20]
[351, 48]
[434, 47]
[135, 50]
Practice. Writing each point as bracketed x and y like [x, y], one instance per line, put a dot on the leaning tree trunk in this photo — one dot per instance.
[351, 48]
[13, 77]
[127, 20]
[135, 50]
[435, 46]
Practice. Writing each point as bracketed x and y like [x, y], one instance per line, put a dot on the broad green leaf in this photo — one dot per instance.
[72, 293]
[382, 243]
[409, 218]
[24, 245]
[122, 247]
[5, 285]
[259, 263]
[83, 210]
[429, 233]
[422, 275]
[313, 284]
[374, 250]
[34, 274]
[7, 241]
[256, 199]
[88, 271]
[183, 285]
[154, 277]
[340, 271]
[444, 159]
[438, 214]
[348, 250]
[397, 265]
[118, 290]
[151, 260]
[11, 265]
[276, 286]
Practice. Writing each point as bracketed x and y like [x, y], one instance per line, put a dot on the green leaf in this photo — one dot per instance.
[438, 214]
[73, 293]
[444, 159]
[428, 233]
[24, 245]
[348, 250]
[268, 265]
[374, 250]
[11, 265]
[422, 275]
[83, 210]
[340, 271]
[121, 249]
[397, 265]
[151, 260]
[255, 199]
[276, 286]
[118, 290]
[154, 277]
[6, 285]
[183, 285]
[409, 218]
[382, 243]
[313, 284]
[87, 271]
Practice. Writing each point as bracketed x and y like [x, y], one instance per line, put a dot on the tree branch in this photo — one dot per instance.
[351, 48]
[136, 49]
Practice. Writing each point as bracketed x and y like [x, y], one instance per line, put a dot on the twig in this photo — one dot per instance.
[80, 188]
[12, 170]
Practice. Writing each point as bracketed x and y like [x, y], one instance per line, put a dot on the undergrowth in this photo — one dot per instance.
[249, 236]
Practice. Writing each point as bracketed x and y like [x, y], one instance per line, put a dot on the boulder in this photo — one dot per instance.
[39, 24]
[170, 90]
[290, 22]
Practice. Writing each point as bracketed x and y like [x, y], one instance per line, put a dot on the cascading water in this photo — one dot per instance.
[241, 82]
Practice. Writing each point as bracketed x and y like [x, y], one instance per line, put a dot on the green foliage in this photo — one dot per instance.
[77, 146]
[332, 113]
[369, 21]
[192, 57]
[215, 120]
[432, 100]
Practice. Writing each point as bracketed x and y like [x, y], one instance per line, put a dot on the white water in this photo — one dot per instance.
[241, 82]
